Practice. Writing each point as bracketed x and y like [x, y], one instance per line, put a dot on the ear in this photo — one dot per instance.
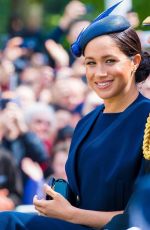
[136, 60]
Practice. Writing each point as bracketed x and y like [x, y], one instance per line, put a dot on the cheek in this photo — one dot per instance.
[89, 77]
[89, 83]
[124, 69]
[122, 72]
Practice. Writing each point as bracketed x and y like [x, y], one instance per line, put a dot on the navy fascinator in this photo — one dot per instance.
[101, 25]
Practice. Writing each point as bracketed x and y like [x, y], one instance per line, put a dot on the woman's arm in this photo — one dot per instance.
[95, 219]
[60, 208]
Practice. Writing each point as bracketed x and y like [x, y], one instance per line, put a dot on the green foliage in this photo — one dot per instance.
[142, 7]
[55, 7]
[4, 14]
[53, 10]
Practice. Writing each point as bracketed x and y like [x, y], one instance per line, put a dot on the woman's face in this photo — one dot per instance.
[108, 69]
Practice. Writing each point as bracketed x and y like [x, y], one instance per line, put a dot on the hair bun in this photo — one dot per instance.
[143, 70]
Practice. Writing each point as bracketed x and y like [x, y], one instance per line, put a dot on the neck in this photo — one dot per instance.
[117, 105]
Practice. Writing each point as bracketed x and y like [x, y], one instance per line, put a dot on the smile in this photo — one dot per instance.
[103, 85]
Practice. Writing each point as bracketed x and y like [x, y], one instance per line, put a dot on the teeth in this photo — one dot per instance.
[103, 84]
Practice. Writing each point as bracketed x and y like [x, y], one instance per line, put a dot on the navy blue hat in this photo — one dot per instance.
[103, 24]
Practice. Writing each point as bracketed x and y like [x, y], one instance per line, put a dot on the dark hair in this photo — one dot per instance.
[65, 132]
[129, 43]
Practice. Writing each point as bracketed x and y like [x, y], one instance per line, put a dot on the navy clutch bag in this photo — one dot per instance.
[62, 186]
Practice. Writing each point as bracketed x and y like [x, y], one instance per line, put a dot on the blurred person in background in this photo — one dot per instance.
[47, 80]
[72, 92]
[10, 54]
[11, 186]
[15, 26]
[71, 34]
[16, 136]
[91, 102]
[38, 59]
[61, 59]
[14, 49]
[133, 18]
[40, 80]
[58, 54]
[25, 95]
[73, 10]
[7, 72]
[58, 161]
[64, 135]
[30, 76]
[144, 87]
[28, 28]
[70, 24]
[40, 119]
[59, 158]
[71, 96]
[33, 171]
[63, 117]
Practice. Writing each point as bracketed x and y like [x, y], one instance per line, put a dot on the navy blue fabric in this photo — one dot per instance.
[137, 213]
[22, 221]
[112, 161]
[109, 164]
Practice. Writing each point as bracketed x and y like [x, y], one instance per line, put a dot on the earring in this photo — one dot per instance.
[133, 71]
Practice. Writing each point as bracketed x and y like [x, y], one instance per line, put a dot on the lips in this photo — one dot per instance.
[104, 84]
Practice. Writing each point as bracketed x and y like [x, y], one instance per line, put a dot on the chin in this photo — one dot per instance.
[105, 96]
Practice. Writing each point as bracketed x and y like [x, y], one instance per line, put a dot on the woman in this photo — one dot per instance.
[105, 157]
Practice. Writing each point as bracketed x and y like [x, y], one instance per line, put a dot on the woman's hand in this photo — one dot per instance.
[58, 207]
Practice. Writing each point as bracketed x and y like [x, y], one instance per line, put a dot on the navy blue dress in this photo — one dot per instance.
[105, 160]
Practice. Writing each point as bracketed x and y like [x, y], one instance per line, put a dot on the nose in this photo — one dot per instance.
[100, 71]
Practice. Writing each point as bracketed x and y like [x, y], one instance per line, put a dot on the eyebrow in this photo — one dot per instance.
[103, 57]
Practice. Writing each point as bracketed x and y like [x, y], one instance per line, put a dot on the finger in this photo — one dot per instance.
[48, 190]
[41, 211]
[41, 214]
[39, 203]
[40, 207]
[35, 198]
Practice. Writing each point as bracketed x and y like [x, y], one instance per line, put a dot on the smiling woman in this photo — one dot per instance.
[113, 70]
[103, 163]
[109, 72]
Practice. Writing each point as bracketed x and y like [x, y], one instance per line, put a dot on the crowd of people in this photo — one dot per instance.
[44, 93]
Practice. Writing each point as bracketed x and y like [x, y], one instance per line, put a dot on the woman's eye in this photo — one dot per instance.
[110, 61]
[90, 63]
